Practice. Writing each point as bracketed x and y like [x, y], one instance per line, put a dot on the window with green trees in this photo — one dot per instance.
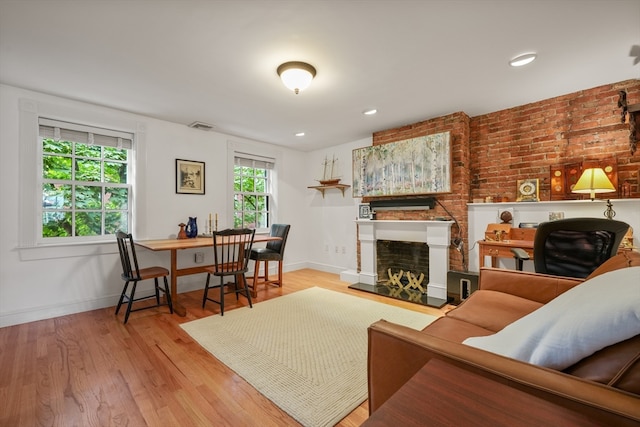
[86, 188]
[252, 192]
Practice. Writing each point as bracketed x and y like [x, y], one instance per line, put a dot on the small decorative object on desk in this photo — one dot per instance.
[192, 228]
[329, 171]
[182, 234]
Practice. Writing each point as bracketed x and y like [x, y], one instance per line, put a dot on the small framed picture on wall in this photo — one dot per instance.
[189, 177]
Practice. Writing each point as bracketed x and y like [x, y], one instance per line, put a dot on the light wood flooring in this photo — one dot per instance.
[89, 369]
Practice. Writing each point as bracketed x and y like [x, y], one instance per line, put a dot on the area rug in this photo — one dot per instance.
[305, 351]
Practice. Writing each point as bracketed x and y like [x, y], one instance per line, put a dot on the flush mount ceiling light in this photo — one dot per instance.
[524, 59]
[300, 134]
[370, 112]
[296, 75]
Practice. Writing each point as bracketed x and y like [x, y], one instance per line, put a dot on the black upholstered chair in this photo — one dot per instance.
[131, 273]
[274, 251]
[574, 247]
[231, 249]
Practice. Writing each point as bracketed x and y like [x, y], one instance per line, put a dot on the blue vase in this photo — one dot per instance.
[192, 227]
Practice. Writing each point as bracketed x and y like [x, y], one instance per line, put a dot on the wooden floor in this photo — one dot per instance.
[89, 369]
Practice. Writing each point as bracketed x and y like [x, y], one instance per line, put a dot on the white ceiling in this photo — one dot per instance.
[215, 61]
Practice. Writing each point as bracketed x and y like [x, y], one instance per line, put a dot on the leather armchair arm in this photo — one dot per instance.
[533, 286]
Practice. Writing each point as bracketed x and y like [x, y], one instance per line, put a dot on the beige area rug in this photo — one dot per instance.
[305, 351]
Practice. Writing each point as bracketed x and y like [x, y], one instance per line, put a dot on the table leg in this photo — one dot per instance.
[177, 307]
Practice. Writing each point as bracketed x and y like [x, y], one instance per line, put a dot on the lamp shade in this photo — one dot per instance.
[296, 75]
[592, 181]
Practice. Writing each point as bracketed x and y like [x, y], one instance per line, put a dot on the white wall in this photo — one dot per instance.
[332, 227]
[43, 283]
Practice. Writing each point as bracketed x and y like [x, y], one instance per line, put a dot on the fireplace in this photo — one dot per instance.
[437, 236]
[410, 258]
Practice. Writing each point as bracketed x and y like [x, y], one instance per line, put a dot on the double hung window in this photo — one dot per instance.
[85, 181]
[252, 191]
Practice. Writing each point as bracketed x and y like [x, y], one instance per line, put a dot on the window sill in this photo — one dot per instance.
[66, 250]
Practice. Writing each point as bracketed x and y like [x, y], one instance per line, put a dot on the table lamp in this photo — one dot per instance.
[592, 181]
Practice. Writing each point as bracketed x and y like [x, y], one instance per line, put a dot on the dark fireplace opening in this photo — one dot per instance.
[406, 257]
[408, 263]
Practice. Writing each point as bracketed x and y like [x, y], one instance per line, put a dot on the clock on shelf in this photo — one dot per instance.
[527, 190]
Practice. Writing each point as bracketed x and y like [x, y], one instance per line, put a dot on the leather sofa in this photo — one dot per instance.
[605, 385]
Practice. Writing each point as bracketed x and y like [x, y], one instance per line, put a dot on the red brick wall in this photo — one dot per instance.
[525, 141]
[491, 152]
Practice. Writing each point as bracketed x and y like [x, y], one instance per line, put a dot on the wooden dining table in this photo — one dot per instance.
[175, 245]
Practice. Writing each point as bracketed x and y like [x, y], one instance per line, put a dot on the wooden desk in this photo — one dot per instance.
[441, 394]
[502, 249]
[174, 245]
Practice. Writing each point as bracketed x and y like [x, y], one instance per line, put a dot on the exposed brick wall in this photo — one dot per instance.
[491, 152]
[525, 141]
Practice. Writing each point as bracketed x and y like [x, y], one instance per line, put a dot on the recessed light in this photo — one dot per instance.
[523, 59]
[370, 112]
[300, 134]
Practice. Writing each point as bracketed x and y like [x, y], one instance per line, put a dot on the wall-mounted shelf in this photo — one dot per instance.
[322, 188]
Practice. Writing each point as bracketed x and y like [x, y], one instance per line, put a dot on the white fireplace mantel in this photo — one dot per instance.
[436, 234]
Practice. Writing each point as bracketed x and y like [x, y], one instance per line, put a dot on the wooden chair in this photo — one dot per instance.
[131, 273]
[574, 247]
[231, 250]
[274, 251]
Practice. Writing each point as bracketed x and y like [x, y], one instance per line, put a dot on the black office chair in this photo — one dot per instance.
[274, 251]
[231, 249]
[132, 273]
[573, 247]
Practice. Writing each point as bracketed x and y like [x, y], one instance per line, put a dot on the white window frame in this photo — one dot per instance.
[260, 152]
[79, 133]
[255, 162]
[29, 110]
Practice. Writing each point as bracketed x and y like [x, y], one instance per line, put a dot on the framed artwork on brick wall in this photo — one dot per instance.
[419, 165]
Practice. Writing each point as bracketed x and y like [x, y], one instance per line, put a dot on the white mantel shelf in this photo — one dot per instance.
[436, 234]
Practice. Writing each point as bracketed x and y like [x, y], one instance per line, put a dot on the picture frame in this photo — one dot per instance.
[364, 212]
[421, 165]
[189, 177]
[528, 190]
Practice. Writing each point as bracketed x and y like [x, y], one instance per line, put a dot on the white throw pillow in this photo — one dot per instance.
[595, 314]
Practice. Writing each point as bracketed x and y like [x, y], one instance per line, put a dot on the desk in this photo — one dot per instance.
[174, 245]
[502, 249]
[442, 394]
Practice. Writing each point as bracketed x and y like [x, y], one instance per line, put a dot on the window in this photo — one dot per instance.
[252, 191]
[85, 181]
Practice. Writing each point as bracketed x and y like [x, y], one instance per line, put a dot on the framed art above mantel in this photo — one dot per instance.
[413, 166]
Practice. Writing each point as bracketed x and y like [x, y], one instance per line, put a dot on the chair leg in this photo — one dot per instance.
[155, 280]
[206, 290]
[133, 294]
[221, 295]
[167, 294]
[122, 296]
[246, 290]
[254, 283]
[280, 273]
